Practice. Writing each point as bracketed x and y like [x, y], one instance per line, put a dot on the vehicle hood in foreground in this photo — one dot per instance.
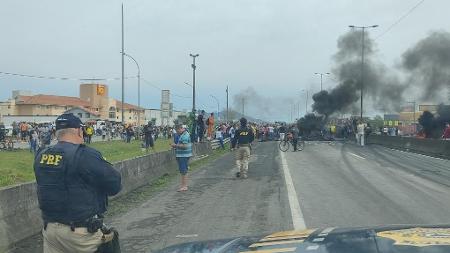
[392, 239]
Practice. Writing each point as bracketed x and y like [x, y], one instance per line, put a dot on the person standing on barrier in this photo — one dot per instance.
[243, 138]
[183, 151]
[73, 185]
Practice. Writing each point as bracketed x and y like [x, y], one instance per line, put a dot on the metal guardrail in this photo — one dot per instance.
[215, 144]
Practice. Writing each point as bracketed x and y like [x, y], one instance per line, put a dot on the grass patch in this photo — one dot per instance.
[138, 196]
[17, 166]
[114, 151]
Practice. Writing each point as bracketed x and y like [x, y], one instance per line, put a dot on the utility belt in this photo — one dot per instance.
[110, 238]
[92, 224]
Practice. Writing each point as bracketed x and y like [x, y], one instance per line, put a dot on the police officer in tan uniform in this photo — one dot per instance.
[243, 138]
[73, 185]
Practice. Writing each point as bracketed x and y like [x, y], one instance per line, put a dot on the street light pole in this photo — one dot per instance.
[227, 105]
[306, 105]
[193, 81]
[218, 106]
[123, 73]
[139, 86]
[321, 75]
[414, 113]
[362, 60]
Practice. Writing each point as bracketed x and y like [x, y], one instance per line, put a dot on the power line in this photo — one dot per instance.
[400, 19]
[158, 88]
[64, 78]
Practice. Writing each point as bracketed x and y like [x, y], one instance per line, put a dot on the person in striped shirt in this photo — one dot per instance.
[183, 151]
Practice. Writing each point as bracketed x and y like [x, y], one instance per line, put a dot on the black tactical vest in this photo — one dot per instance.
[62, 194]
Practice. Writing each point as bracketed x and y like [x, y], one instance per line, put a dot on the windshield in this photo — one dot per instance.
[191, 121]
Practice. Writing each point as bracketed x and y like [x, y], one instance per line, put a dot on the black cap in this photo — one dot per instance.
[68, 120]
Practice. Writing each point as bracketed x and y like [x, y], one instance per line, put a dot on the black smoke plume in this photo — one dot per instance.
[428, 65]
[310, 123]
[378, 85]
[434, 125]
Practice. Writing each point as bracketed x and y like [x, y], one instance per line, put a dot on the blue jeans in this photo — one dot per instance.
[221, 143]
[33, 146]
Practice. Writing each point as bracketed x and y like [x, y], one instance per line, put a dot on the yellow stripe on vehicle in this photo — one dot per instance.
[282, 238]
[302, 233]
[281, 250]
[261, 244]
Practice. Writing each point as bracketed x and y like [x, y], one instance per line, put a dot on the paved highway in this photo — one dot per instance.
[326, 185]
[347, 185]
[333, 185]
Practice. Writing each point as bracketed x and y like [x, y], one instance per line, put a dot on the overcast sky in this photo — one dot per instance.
[274, 46]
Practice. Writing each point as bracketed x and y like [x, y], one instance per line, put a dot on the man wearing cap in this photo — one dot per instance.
[183, 151]
[73, 185]
[243, 138]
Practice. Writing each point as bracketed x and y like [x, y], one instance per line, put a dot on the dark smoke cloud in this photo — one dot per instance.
[379, 86]
[433, 125]
[428, 65]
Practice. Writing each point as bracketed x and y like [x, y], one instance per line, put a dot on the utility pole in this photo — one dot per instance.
[228, 120]
[306, 102]
[414, 113]
[362, 61]
[123, 74]
[193, 81]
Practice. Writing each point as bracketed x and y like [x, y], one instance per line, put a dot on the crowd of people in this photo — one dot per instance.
[35, 134]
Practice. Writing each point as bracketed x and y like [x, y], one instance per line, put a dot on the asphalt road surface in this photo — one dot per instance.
[326, 185]
[334, 185]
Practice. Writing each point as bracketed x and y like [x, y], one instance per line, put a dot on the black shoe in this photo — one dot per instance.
[238, 174]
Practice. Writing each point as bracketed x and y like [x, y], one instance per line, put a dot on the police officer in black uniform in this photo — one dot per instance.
[148, 136]
[243, 138]
[73, 185]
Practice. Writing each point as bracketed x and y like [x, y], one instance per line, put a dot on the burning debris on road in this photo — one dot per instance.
[433, 125]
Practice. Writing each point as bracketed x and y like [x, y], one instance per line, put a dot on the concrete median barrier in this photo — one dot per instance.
[20, 216]
[431, 147]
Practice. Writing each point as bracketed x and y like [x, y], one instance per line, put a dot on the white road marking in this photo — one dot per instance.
[355, 155]
[296, 212]
[186, 236]
[313, 247]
